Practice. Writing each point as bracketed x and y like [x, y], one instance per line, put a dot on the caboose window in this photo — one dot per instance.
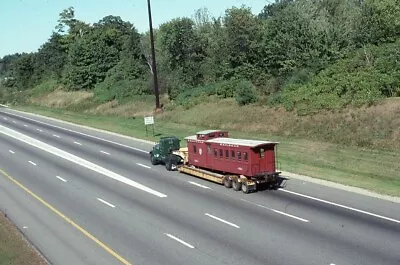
[215, 152]
[209, 149]
[227, 154]
[262, 152]
[194, 149]
[245, 156]
[221, 153]
[239, 155]
[233, 155]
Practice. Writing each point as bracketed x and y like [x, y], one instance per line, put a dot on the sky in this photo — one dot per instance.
[27, 24]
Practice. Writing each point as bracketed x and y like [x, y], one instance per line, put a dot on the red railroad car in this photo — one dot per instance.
[214, 150]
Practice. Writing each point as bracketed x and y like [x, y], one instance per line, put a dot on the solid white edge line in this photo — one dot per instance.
[222, 220]
[77, 143]
[106, 203]
[11, 151]
[5, 106]
[291, 216]
[276, 211]
[199, 185]
[60, 178]
[80, 133]
[342, 206]
[32, 163]
[179, 240]
[77, 160]
[104, 152]
[142, 165]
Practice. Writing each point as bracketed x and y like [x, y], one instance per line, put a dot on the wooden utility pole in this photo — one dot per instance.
[153, 56]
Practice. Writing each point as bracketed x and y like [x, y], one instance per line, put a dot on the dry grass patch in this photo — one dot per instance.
[131, 109]
[14, 248]
[61, 99]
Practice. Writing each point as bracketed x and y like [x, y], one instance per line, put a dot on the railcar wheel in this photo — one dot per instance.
[227, 182]
[236, 184]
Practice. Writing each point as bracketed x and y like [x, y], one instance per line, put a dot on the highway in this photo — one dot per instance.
[83, 196]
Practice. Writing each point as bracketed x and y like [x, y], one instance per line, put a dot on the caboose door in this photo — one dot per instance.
[209, 156]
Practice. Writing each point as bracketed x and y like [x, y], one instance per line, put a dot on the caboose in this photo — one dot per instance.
[237, 163]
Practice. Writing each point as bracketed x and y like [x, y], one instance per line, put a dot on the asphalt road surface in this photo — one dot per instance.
[82, 196]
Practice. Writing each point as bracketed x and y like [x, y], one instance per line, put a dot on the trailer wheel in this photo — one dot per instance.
[236, 184]
[227, 182]
[245, 188]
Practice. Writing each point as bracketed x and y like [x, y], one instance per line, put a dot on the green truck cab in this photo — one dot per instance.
[162, 152]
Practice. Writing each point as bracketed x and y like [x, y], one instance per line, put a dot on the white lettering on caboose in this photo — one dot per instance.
[229, 145]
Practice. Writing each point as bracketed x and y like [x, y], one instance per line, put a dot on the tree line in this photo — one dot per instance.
[325, 53]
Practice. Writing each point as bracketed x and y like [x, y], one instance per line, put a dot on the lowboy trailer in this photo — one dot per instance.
[240, 164]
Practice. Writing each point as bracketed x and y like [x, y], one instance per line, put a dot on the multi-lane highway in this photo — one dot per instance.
[83, 196]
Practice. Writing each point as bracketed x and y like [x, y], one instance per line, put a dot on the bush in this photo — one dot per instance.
[227, 89]
[246, 93]
[363, 78]
[121, 90]
[45, 87]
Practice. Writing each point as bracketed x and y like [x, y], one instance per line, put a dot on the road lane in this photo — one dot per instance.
[256, 227]
[320, 239]
[101, 138]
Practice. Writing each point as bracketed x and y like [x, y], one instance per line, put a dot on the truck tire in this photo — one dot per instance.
[168, 164]
[227, 182]
[153, 160]
[236, 185]
[245, 188]
[171, 163]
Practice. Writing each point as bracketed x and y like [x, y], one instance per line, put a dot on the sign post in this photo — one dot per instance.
[149, 121]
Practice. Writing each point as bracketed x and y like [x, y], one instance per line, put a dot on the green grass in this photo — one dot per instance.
[376, 170]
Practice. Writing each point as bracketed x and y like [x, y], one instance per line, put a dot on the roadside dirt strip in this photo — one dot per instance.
[14, 247]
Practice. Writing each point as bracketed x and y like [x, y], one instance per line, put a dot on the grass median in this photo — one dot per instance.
[372, 169]
[14, 249]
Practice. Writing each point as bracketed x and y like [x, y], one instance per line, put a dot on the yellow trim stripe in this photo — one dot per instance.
[83, 231]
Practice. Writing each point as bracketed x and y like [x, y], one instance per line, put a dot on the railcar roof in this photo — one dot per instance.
[191, 137]
[242, 142]
[208, 131]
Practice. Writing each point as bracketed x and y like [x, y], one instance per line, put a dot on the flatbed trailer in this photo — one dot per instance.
[241, 183]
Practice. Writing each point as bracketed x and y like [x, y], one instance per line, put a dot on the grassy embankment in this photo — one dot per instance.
[325, 145]
[14, 249]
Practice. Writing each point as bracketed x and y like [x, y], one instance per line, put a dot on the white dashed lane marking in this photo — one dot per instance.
[199, 185]
[106, 203]
[142, 165]
[77, 143]
[179, 240]
[276, 211]
[11, 151]
[106, 153]
[33, 163]
[60, 178]
[222, 220]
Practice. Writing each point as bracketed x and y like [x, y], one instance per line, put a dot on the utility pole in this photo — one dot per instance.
[153, 56]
